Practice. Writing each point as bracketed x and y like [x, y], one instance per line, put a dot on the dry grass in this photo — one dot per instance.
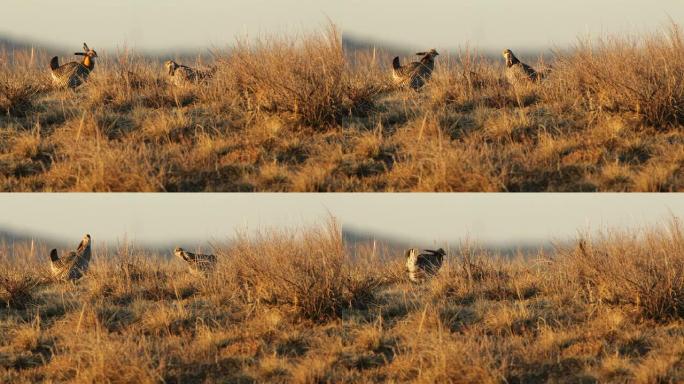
[313, 275]
[309, 81]
[647, 273]
[302, 114]
[301, 306]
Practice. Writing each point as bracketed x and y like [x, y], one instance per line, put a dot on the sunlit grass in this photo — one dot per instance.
[303, 306]
[302, 114]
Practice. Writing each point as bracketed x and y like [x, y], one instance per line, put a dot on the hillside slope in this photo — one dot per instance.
[303, 114]
[300, 307]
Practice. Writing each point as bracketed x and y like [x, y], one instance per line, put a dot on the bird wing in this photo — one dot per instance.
[83, 256]
[80, 247]
[188, 256]
[186, 72]
[409, 69]
[67, 69]
[205, 259]
[411, 260]
[529, 71]
[67, 261]
[429, 258]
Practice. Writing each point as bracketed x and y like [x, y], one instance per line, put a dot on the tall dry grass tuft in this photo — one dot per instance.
[17, 289]
[308, 78]
[312, 273]
[646, 273]
[640, 75]
[469, 81]
[18, 92]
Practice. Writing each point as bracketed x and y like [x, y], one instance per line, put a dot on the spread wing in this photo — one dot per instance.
[430, 260]
[411, 259]
[67, 261]
[80, 247]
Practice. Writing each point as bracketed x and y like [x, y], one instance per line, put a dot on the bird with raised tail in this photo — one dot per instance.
[73, 74]
[73, 265]
[421, 266]
[415, 74]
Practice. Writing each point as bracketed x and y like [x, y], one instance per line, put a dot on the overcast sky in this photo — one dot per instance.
[488, 24]
[160, 219]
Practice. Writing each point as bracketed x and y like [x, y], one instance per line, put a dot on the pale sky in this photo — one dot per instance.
[176, 24]
[492, 219]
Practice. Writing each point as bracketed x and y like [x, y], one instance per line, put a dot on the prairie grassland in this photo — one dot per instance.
[302, 114]
[304, 307]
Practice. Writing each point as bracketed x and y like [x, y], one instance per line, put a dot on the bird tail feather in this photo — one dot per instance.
[395, 63]
[54, 256]
[54, 63]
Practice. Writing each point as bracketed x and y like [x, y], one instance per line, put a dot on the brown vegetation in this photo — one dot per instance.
[305, 307]
[301, 114]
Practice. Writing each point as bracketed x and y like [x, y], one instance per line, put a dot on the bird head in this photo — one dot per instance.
[431, 53]
[171, 67]
[510, 57]
[87, 52]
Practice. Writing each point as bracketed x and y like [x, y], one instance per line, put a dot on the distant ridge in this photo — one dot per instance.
[351, 236]
[10, 239]
[9, 43]
[350, 42]
[355, 237]
[10, 236]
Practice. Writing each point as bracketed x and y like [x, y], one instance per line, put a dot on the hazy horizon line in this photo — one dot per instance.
[360, 41]
[352, 235]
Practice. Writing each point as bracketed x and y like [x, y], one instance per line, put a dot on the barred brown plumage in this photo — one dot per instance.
[518, 72]
[415, 74]
[199, 264]
[181, 75]
[73, 74]
[73, 265]
[423, 265]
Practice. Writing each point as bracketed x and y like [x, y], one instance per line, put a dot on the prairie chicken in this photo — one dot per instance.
[415, 74]
[198, 264]
[181, 75]
[73, 74]
[423, 265]
[73, 265]
[518, 72]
